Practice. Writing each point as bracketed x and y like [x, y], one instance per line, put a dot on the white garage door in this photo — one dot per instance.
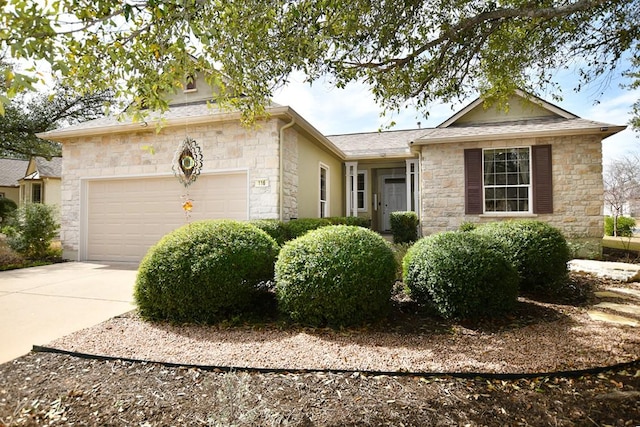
[126, 217]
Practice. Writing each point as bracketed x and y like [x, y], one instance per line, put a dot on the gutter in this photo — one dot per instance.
[607, 131]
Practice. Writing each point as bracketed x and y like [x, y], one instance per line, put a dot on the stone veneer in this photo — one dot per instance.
[225, 146]
[290, 175]
[577, 185]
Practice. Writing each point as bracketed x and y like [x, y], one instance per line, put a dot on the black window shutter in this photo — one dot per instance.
[473, 181]
[542, 179]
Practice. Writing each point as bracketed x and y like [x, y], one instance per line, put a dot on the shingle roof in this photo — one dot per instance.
[392, 144]
[515, 129]
[49, 168]
[11, 170]
[378, 144]
[175, 112]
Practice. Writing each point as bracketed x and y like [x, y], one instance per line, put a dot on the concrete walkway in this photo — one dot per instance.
[613, 270]
[40, 304]
[619, 305]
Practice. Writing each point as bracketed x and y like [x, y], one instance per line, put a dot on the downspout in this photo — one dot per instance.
[281, 167]
[419, 179]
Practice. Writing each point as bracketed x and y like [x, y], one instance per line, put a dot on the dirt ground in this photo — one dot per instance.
[41, 389]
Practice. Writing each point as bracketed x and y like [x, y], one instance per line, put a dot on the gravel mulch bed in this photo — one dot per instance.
[55, 389]
[538, 337]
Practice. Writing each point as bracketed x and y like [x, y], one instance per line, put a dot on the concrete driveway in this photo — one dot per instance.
[40, 304]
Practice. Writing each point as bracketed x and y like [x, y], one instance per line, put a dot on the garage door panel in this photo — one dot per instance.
[126, 217]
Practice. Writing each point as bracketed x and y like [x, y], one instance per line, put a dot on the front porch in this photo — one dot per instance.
[375, 189]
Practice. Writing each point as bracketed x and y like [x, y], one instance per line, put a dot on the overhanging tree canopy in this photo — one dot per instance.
[406, 50]
[25, 116]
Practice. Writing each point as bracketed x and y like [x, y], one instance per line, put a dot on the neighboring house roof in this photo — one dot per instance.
[11, 170]
[40, 168]
[49, 168]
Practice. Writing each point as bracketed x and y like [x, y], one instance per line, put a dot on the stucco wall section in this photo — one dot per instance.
[310, 156]
[12, 193]
[225, 146]
[577, 185]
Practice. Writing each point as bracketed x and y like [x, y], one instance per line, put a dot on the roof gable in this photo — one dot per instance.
[39, 168]
[521, 106]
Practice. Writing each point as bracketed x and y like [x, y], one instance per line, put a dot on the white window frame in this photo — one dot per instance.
[323, 204]
[506, 185]
[413, 186]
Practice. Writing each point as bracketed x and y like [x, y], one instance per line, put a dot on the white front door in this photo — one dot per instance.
[394, 198]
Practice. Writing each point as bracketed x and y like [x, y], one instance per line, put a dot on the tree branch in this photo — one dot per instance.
[475, 21]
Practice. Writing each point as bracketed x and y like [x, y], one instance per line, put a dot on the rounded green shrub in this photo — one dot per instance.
[337, 276]
[404, 226]
[463, 275]
[206, 271]
[538, 250]
[273, 227]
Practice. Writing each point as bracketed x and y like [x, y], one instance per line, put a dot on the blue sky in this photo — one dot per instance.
[336, 111]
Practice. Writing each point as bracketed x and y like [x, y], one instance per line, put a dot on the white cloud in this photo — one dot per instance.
[352, 109]
[615, 108]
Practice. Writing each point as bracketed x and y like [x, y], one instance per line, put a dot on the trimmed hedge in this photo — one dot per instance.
[336, 275]
[464, 275]
[538, 250]
[284, 231]
[206, 271]
[298, 227]
[625, 226]
[274, 228]
[350, 220]
[404, 226]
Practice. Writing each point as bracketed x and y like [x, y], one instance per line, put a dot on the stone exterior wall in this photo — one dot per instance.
[290, 175]
[577, 185]
[225, 146]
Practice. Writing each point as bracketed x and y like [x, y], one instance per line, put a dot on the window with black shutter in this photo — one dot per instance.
[542, 179]
[473, 181]
[516, 179]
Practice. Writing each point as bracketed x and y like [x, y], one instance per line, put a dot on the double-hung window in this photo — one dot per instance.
[36, 193]
[507, 180]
